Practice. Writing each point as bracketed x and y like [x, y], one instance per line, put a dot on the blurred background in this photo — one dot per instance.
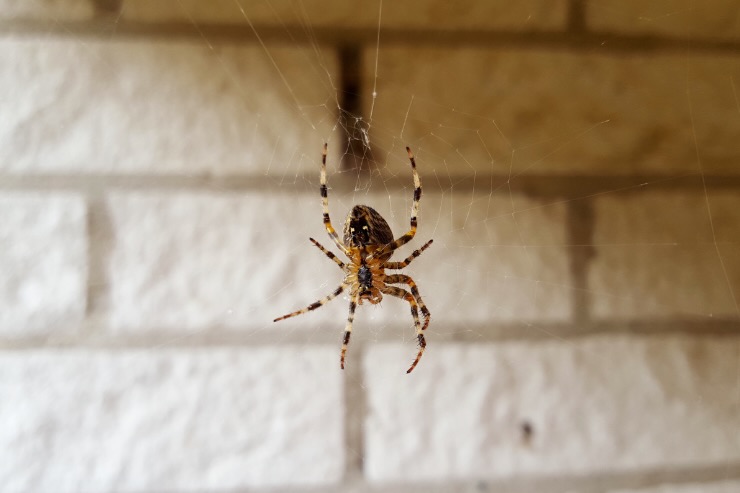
[159, 181]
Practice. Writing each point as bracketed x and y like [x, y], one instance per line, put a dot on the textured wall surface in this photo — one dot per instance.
[135, 420]
[43, 262]
[159, 182]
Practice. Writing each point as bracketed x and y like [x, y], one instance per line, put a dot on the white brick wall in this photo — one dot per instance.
[676, 269]
[654, 126]
[159, 182]
[167, 419]
[43, 264]
[715, 18]
[183, 107]
[186, 262]
[183, 262]
[718, 487]
[466, 14]
[60, 10]
[609, 403]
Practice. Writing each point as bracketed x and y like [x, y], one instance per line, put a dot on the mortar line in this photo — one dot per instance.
[594, 482]
[357, 155]
[580, 231]
[569, 186]
[100, 239]
[543, 39]
[354, 411]
[576, 22]
[92, 337]
[99, 233]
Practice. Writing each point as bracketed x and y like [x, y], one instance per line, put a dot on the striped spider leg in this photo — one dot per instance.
[413, 298]
[325, 205]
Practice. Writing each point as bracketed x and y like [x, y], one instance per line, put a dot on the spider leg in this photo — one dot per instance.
[315, 304]
[348, 328]
[404, 263]
[325, 205]
[327, 253]
[405, 295]
[401, 278]
[414, 210]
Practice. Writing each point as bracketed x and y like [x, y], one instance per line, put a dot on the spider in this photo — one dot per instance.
[369, 244]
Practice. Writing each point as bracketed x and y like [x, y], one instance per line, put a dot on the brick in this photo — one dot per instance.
[516, 112]
[675, 18]
[161, 107]
[193, 261]
[468, 14]
[711, 487]
[198, 261]
[43, 263]
[174, 420]
[723, 208]
[618, 403]
[52, 10]
[494, 258]
[656, 256]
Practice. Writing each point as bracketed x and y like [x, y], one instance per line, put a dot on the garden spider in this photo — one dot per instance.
[369, 244]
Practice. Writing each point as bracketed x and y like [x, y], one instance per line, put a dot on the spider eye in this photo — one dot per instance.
[359, 230]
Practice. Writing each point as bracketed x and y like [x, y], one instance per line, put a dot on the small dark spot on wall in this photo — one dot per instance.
[527, 432]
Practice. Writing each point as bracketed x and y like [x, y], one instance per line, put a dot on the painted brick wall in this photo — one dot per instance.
[159, 182]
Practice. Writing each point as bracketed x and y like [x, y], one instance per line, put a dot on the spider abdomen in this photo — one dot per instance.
[365, 226]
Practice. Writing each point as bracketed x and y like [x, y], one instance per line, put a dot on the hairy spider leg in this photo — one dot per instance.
[405, 295]
[348, 328]
[327, 253]
[414, 213]
[404, 279]
[325, 205]
[315, 304]
[404, 263]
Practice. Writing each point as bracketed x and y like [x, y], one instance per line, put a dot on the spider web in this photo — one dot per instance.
[480, 178]
[513, 209]
[519, 213]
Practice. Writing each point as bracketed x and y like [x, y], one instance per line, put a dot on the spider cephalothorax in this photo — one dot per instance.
[369, 244]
